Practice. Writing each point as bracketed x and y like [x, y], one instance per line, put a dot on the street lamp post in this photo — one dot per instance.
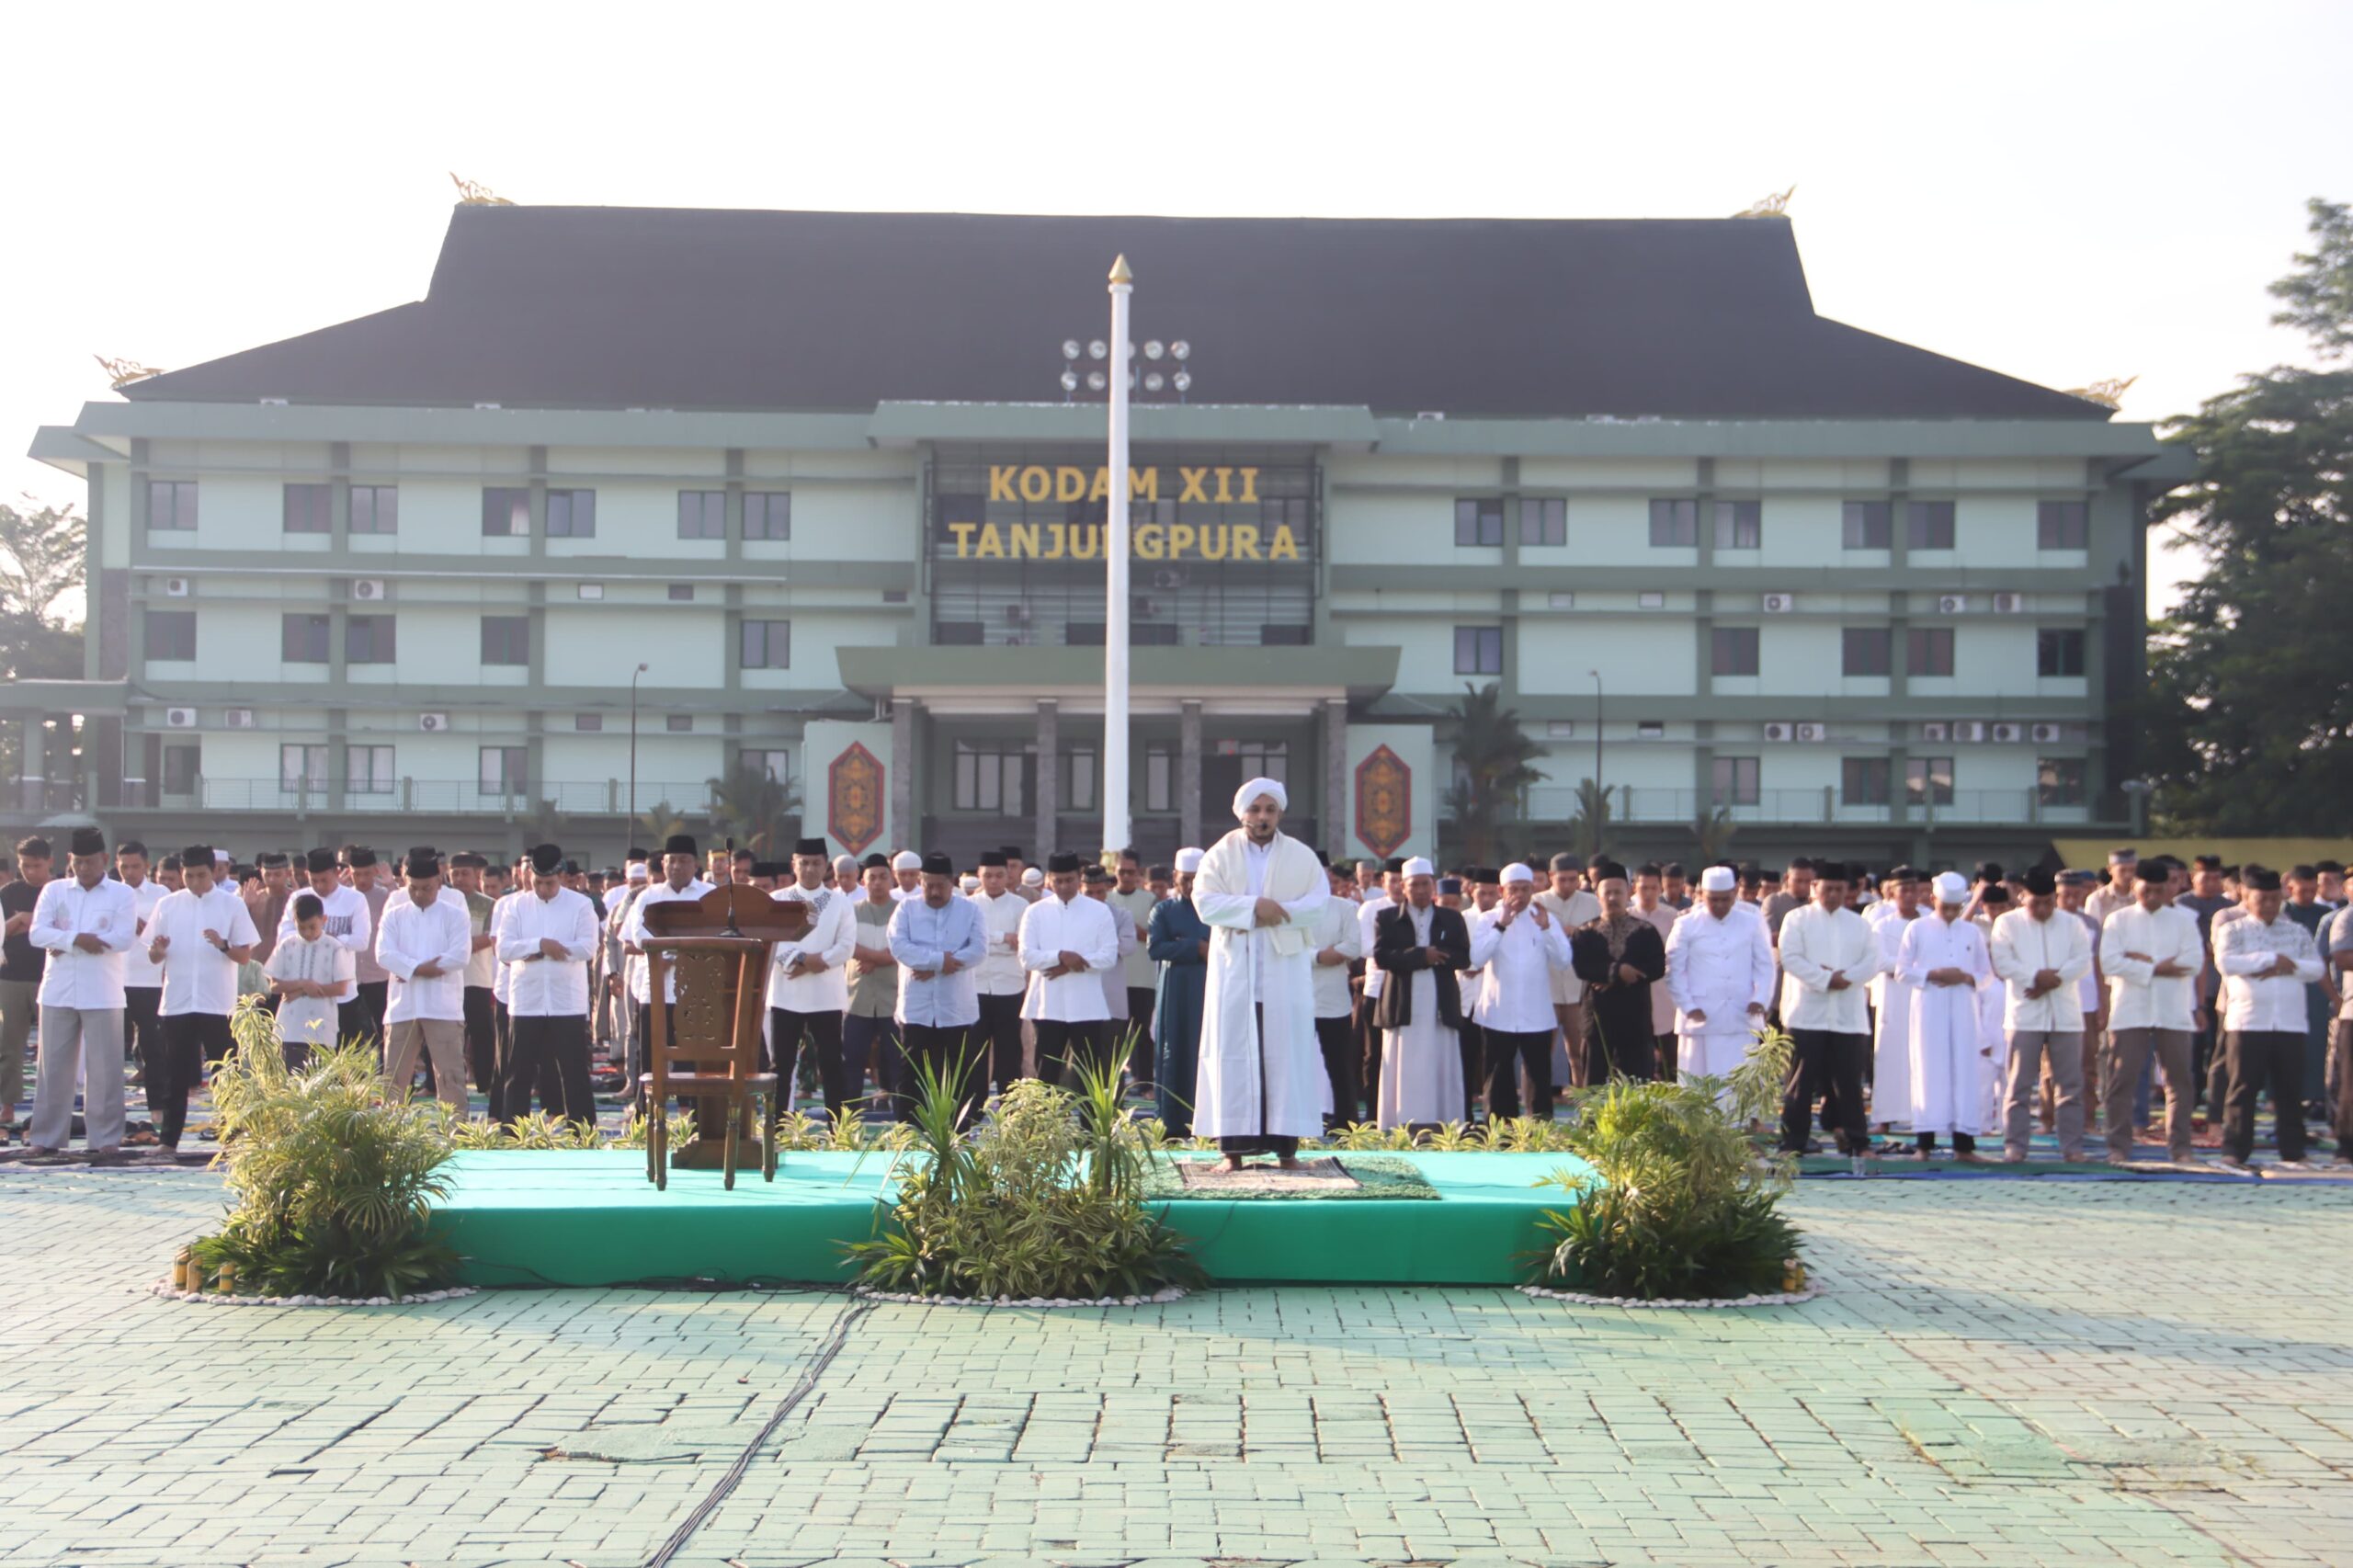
[1600, 795]
[1115, 556]
[631, 832]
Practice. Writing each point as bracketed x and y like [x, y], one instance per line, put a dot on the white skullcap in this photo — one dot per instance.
[222, 858]
[967, 881]
[1257, 787]
[1951, 887]
[1189, 860]
[907, 860]
[1517, 872]
[637, 871]
[1032, 877]
[1417, 866]
[1719, 879]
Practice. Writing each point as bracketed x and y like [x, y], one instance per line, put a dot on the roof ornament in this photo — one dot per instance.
[2108, 393]
[123, 372]
[473, 193]
[1769, 205]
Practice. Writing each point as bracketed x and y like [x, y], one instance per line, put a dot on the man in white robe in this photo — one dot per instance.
[1943, 961]
[1891, 995]
[1719, 970]
[1260, 1085]
[1422, 946]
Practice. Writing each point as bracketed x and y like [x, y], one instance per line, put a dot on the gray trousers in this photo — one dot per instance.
[2127, 1051]
[2066, 1049]
[73, 1038]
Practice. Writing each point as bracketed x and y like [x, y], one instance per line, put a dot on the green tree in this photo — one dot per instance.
[2249, 716]
[41, 560]
[752, 809]
[1492, 758]
[659, 823]
[1590, 830]
[1714, 833]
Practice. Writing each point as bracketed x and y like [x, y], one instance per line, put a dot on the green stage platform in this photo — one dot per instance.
[591, 1218]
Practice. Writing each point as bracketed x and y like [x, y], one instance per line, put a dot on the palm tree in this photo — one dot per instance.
[754, 809]
[1491, 754]
[1592, 823]
[659, 823]
[547, 825]
[1714, 833]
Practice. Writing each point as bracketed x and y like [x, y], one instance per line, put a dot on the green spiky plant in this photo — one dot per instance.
[331, 1181]
[1678, 1205]
[679, 1130]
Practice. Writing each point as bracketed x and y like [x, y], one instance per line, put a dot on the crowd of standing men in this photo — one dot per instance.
[1951, 1006]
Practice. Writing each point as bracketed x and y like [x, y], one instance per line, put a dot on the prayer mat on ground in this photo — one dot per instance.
[1327, 1176]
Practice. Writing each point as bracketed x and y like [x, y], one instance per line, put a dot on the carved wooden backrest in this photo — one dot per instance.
[715, 1027]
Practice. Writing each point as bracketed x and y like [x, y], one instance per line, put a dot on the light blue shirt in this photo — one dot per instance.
[921, 939]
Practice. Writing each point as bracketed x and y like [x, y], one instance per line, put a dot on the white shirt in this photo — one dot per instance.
[2256, 1002]
[311, 1020]
[1517, 963]
[2338, 928]
[1366, 915]
[1718, 968]
[1050, 928]
[1336, 926]
[66, 910]
[1815, 944]
[538, 986]
[831, 934]
[411, 935]
[1136, 964]
[2140, 998]
[349, 921]
[634, 932]
[2021, 948]
[198, 976]
[1001, 973]
[1580, 908]
[139, 972]
[1115, 979]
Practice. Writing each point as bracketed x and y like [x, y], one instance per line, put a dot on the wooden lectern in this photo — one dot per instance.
[706, 1045]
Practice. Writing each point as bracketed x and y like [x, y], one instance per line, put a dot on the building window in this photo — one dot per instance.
[768, 514]
[1928, 651]
[1927, 781]
[702, 513]
[1739, 525]
[678, 723]
[182, 766]
[368, 770]
[506, 512]
[588, 722]
[505, 770]
[1273, 636]
[308, 509]
[302, 638]
[682, 592]
[1865, 650]
[774, 766]
[376, 509]
[1478, 650]
[988, 780]
[1260, 759]
[171, 506]
[302, 769]
[1735, 780]
[171, 633]
[768, 645]
[1735, 651]
[1863, 781]
[1543, 520]
[507, 640]
[1077, 765]
[1479, 520]
[2059, 781]
[572, 514]
[1159, 769]
[1867, 525]
[2058, 653]
[1675, 524]
[1927, 525]
[368, 640]
[1650, 730]
[2060, 525]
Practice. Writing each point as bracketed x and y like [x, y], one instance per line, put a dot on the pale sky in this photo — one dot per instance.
[2061, 191]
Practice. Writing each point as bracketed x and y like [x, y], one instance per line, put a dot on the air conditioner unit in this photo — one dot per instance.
[2009, 732]
[1167, 577]
[1779, 604]
[2010, 604]
[181, 718]
[2045, 732]
[176, 587]
[367, 587]
[1969, 730]
[240, 719]
[1936, 730]
[1776, 730]
[1813, 732]
[1953, 604]
[432, 723]
[1016, 615]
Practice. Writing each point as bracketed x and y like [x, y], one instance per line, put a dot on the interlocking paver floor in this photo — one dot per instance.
[2050, 1372]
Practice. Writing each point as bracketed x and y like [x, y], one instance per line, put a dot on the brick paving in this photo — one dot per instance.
[2025, 1372]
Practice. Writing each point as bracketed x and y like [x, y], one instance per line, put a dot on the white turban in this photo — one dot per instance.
[907, 860]
[1189, 860]
[636, 871]
[968, 882]
[1516, 872]
[1032, 877]
[1719, 879]
[1951, 887]
[1417, 866]
[1255, 788]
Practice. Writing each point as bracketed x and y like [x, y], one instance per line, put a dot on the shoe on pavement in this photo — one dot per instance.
[2295, 1164]
[2121, 1162]
[2013, 1156]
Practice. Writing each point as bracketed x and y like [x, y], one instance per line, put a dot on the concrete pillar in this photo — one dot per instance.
[33, 785]
[1335, 823]
[903, 772]
[1188, 775]
[1049, 739]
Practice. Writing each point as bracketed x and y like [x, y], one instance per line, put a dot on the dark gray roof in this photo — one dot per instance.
[606, 307]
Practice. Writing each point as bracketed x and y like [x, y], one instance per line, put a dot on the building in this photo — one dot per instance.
[819, 476]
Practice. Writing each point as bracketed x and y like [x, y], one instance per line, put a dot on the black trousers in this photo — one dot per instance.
[1337, 1040]
[823, 1032]
[143, 1034]
[549, 1056]
[189, 1040]
[1138, 1031]
[368, 1020]
[482, 1047]
[1470, 1045]
[2260, 1059]
[643, 1019]
[999, 1035]
[1064, 1048]
[948, 1049]
[1369, 1044]
[1510, 1054]
[1825, 1063]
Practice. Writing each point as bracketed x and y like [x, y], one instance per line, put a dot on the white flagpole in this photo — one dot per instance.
[1115, 557]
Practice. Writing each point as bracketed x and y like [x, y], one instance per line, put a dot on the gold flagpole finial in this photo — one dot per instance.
[1120, 273]
[2108, 393]
[473, 193]
[123, 372]
[1775, 206]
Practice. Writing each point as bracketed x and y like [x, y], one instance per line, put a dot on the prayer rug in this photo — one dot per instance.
[1327, 1176]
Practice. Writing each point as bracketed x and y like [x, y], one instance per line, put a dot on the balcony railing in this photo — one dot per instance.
[443, 797]
[1639, 805]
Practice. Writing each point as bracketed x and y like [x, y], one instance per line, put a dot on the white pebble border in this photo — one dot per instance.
[165, 1288]
[1779, 1298]
[1169, 1293]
